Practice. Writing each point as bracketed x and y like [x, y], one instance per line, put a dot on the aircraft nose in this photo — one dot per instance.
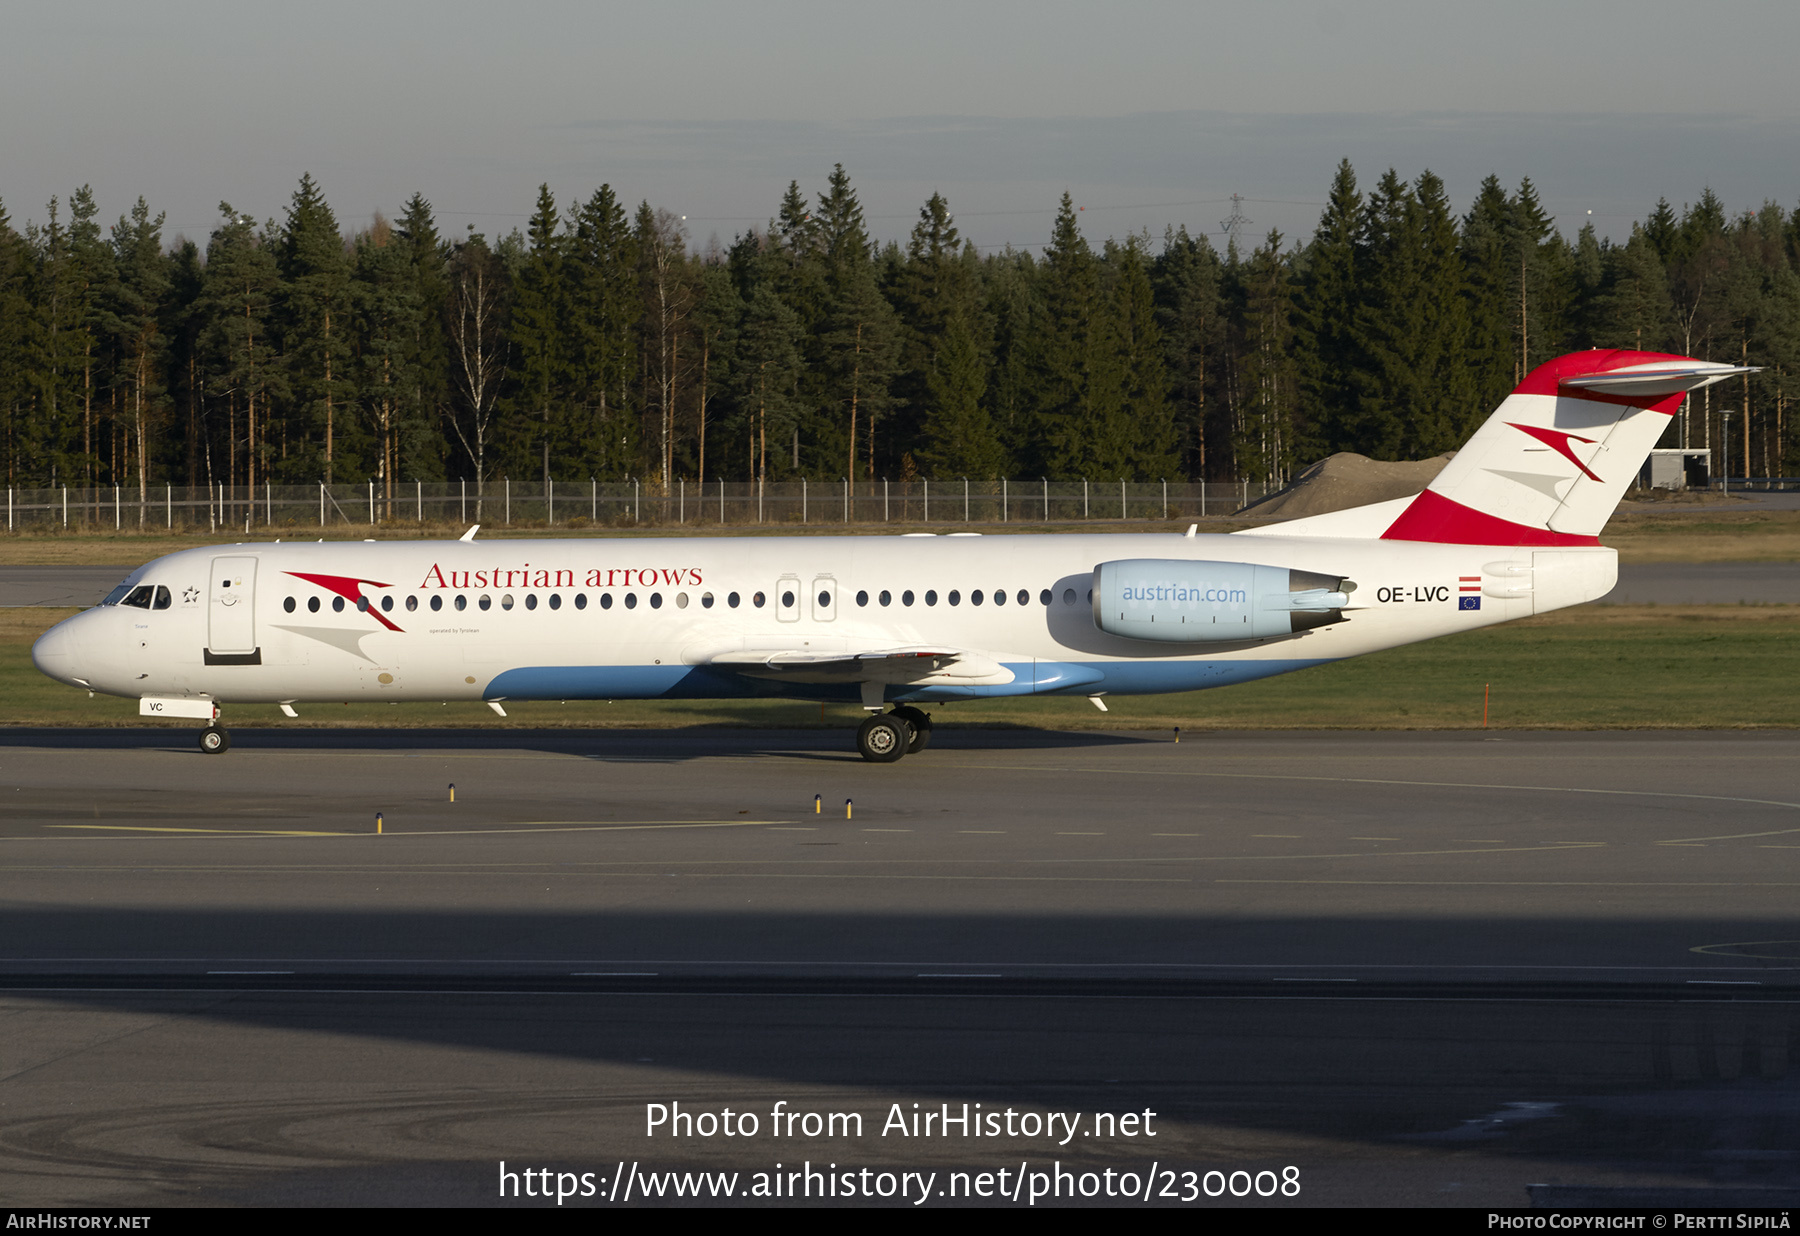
[55, 652]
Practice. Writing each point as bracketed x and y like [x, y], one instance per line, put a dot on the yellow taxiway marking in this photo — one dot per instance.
[233, 832]
[530, 827]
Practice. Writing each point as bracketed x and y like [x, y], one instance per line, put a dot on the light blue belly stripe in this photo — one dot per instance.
[685, 682]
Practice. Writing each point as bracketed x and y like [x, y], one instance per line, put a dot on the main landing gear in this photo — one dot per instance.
[214, 740]
[885, 738]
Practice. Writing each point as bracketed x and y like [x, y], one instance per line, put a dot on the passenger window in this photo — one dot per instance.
[862, 599]
[337, 605]
[556, 600]
[581, 600]
[706, 600]
[732, 600]
[437, 603]
[312, 605]
[1024, 597]
[462, 602]
[759, 600]
[387, 604]
[506, 602]
[931, 596]
[955, 597]
[906, 598]
[824, 600]
[1043, 597]
[886, 598]
[412, 603]
[631, 600]
[974, 597]
[1068, 596]
[484, 602]
[531, 600]
[163, 599]
[787, 599]
[362, 605]
[999, 596]
[681, 600]
[656, 600]
[606, 600]
[288, 604]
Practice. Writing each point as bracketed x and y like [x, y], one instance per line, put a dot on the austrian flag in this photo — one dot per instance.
[1468, 588]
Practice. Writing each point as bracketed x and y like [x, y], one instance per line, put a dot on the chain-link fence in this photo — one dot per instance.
[621, 504]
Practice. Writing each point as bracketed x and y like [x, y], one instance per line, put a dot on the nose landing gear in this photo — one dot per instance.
[214, 740]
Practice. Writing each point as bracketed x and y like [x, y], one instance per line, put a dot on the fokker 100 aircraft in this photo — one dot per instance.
[1508, 529]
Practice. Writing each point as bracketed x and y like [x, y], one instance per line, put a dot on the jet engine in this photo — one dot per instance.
[1177, 601]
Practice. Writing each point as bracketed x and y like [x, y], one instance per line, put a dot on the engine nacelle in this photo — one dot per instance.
[1178, 601]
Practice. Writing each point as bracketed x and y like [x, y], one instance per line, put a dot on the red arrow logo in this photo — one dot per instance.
[1558, 441]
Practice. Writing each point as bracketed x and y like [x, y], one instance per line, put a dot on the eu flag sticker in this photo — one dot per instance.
[1468, 603]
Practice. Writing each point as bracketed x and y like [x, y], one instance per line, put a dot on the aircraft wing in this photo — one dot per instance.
[889, 665]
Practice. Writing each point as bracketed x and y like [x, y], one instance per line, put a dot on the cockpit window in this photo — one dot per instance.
[163, 599]
[116, 595]
[139, 597]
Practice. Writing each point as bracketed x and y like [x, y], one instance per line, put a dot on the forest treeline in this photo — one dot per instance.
[600, 342]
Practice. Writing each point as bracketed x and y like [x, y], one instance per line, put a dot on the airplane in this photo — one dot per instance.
[1508, 529]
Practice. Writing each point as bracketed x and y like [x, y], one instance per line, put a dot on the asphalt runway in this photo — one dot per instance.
[1414, 968]
[1660, 583]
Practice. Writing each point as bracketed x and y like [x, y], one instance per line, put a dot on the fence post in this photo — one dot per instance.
[509, 501]
[846, 499]
[1046, 481]
[321, 504]
[65, 506]
[1084, 497]
[118, 515]
[465, 501]
[1165, 497]
[884, 501]
[420, 489]
[802, 500]
[371, 502]
[681, 509]
[1246, 501]
[721, 504]
[1121, 498]
[549, 501]
[9, 508]
[637, 501]
[1002, 499]
[927, 501]
[965, 482]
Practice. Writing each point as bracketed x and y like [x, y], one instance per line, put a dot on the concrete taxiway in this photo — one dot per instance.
[1420, 968]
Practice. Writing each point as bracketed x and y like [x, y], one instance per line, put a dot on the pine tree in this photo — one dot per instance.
[1633, 309]
[1146, 426]
[388, 319]
[1491, 285]
[768, 375]
[1186, 277]
[860, 348]
[1268, 385]
[315, 334]
[1327, 303]
[959, 438]
[604, 308]
[539, 314]
[243, 284]
[133, 319]
[15, 362]
[423, 448]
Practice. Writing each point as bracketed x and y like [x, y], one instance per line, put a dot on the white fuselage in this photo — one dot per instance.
[613, 618]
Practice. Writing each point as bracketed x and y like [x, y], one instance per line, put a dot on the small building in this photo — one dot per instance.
[1677, 468]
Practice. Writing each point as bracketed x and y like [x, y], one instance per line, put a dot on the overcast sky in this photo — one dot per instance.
[1148, 113]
